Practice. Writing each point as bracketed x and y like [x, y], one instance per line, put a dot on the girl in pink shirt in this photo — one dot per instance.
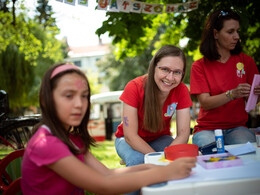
[57, 159]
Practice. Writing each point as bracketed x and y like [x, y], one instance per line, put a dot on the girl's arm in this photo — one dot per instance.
[130, 127]
[182, 126]
[95, 164]
[84, 176]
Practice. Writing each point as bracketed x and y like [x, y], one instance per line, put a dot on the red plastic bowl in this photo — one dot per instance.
[181, 150]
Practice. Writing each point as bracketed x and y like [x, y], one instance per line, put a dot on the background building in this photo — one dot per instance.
[86, 58]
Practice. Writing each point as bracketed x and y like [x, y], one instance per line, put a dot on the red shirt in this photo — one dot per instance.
[215, 78]
[133, 95]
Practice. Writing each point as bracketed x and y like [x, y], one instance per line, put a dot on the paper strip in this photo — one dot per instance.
[251, 102]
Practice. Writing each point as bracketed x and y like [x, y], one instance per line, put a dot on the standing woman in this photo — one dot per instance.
[149, 104]
[221, 81]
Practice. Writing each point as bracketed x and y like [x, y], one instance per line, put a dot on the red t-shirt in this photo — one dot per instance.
[215, 78]
[133, 95]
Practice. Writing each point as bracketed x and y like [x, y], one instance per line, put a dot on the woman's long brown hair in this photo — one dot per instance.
[153, 116]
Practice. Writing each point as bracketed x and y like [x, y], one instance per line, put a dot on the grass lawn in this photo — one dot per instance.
[106, 153]
[4, 150]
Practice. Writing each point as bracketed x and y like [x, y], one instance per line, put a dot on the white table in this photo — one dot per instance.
[241, 180]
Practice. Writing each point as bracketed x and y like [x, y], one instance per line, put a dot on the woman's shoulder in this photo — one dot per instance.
[242, 56]
[137, 82]
[182, 85]
[200, 61]
[133, 92]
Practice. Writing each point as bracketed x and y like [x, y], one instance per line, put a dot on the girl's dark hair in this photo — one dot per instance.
[153, 116]
[49, 114]
[215, 21]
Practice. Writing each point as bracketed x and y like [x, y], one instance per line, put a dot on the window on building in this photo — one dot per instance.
[77, 63]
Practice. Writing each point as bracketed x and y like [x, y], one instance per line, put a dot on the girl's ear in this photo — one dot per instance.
[215, 33]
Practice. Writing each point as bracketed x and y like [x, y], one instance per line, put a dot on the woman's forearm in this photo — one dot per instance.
[208, 102]
[138, 144]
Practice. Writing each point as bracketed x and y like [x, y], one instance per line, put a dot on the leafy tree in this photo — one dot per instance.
[94, 84]
[119, 72]
[18, 85]
[132, 32]
[45, 13]
[27, 49]
[19, 35]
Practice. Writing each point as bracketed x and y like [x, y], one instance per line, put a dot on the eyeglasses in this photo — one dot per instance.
[222, 13]
[165, 71]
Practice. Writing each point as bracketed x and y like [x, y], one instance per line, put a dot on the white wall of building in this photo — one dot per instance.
[86, 58]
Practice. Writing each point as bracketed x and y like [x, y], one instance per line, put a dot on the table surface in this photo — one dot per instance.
[244, 180]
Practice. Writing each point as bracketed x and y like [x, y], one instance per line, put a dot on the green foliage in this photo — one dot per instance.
[18, 85]
[45, 13]
[94, 84]
[27, 48]
[19, 35]
[131, 41]
[118, 73]
[127, 30]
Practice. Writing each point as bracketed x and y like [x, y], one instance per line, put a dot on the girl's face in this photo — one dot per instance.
[71, 99]
[228, 36]
[168, 73]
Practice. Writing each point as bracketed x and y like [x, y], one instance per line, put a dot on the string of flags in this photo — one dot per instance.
[128, 6]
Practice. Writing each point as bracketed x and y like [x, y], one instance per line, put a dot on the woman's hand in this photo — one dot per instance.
[242, 90]
[257, 90]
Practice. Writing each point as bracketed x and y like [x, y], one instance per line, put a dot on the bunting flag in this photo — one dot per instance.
[70, 2]
[128, 6]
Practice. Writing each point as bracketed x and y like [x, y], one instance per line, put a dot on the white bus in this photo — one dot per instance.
[106, 109]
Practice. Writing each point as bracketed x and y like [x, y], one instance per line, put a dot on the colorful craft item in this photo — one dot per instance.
[221, 160]
[215, 159]
[181, 150]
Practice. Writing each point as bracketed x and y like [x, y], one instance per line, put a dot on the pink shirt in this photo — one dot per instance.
[133, 95]
[44, 149]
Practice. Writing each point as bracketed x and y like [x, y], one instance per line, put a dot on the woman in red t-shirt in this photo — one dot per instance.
[221, 81]
[149, 104]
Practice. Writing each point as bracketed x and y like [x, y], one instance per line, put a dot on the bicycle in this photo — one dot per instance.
[14, 131]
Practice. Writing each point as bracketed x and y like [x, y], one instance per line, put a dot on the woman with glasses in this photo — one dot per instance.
[221, 81]
[150, 101]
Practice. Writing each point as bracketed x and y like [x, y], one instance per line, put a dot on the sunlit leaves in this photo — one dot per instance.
[27, 49]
